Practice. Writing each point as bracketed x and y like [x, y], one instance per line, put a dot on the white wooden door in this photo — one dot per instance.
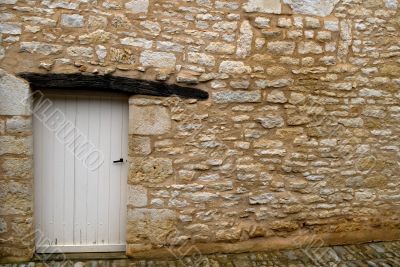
[80, 199]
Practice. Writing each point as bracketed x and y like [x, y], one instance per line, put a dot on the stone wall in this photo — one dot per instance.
[16, 177]
[299, 138]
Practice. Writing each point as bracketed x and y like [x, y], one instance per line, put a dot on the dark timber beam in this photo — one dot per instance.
[109, 83]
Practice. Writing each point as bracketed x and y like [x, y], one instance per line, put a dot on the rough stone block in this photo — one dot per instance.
[138, 6]
[16, 145]
[245, 40]
[137, 42]
[310, 47]
[40, 48]
[13, 93]
[139, 145]
[137, 196]
[17, 167]
[237, 97]
[150, 170]
[150, 225]
[271, 121]
[16, 198]
[19, 125]
[3, 226]
[261, 199]
[158, 59]
[149, 120]
[80, 51]
[263, 6]
[10, 28]
[201, 59]
[276, 96]
[234, 67]
[281, 47]
[72, 20]
[312, 7]
[8, 2]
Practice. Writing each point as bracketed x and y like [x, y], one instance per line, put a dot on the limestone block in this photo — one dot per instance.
[391, 4]
[151, 170]
[201, 59]
[98, 36]
[198, 197]
[80, 51]
[262, 84]
[271, 121]
[150, 225]
[72, 20]
[41, 48]
[263, 6]
[151, 27]
[312, 7]
[220, 48]
[391, 70]
[2, 52]
[138, 6]
[262, 22]
[232, 234]
[298, 120]
[169, 46]
[97, 22]
[234, 67]
[225, 26]
[245, 40]
[10, 28]
[281, 47]
[276, 96]
[16, 198]
[187, 76]
[13, 95]
[19, 124]
[101, 52]
[8, 2]
[137, 195]
[261, 199]
[310, 47]
[158, 59]
[352, 122]
[16, 145]
[139, 145]
[149, 120]
[137, 42]
[236, 97]
[17, 167]
[3, 226]
[124, 56]
[379, 181]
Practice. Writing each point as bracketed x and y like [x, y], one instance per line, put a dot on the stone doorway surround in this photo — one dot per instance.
[16, 176]
[16, 156]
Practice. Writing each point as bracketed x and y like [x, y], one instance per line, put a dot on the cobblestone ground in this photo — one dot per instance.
[382, 254]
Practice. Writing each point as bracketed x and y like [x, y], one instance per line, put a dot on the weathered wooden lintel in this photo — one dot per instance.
[131, 86]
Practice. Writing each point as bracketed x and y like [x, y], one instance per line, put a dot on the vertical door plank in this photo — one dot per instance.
[82, 122]
[115, 171]
[69, 182]
[104, 172]
[93, 174]
[59, 172]
[48, 171]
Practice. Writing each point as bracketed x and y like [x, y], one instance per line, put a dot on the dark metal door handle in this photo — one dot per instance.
[120, 160]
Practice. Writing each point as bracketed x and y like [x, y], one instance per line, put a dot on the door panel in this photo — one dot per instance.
[77, 207]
